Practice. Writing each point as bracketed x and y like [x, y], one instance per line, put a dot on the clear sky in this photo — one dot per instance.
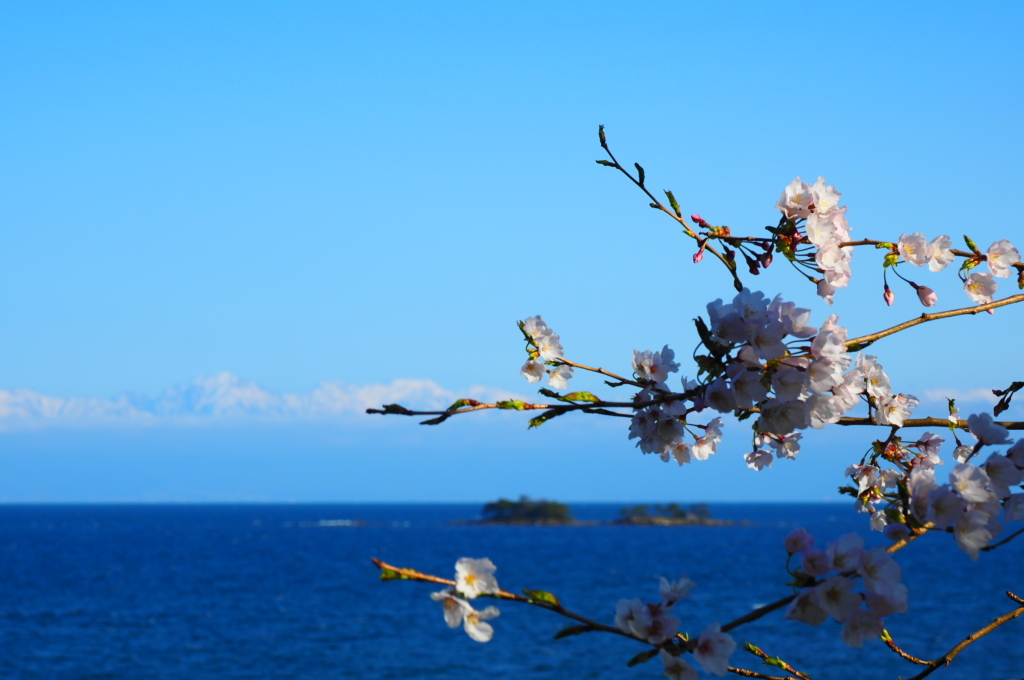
[225, 228]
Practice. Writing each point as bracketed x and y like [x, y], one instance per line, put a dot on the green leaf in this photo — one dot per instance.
[642, 657]
[513, 404]
[673, 202]
[550, 394]
[396, 409]
[436, 421]
[606, 163]
[640, 172]
[573, 630]
[462, 403]
[390, 575]
[544, 417]
[580, 396]
[970, 243]
[542, 596]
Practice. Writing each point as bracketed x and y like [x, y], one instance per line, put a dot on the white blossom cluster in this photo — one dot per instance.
[970, 503]
[546, 347]
[654, 623]
[473, 578]
[835, 596]
[915, 249]
[975, 495]
[826, 228]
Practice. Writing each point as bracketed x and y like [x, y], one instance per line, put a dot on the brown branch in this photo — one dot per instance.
[413, 575]
[865, 340]
[627, 381]
[774, 661]
[887, 639]
[754, 674]
[758, 613]
[731, 266]
[948, 657]
[929, 422]
[1006, 540]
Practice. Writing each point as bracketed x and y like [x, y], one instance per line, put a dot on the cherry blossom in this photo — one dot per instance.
[807, 608]
[654, 366]
[673, 591]
[759, 459]
[798, 541]
[475, 626]
[533, 370]
[986, 431]
[475, 577]
[713, 649]
[980, 287]
[1001, 258]
[836, 596]
[942, 254]
[560, 377]
[862, 625]
[796, 200]
[914, 249]
[676, 668]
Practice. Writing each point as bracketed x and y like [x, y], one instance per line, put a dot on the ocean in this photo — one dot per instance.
[205, 592]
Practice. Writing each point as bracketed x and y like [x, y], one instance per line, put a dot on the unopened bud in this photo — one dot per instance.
[697, 218]
[889, 296]
[926, 295]
[698, 256]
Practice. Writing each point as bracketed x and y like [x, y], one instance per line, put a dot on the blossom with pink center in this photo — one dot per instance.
[796, 200]
[673, 591]
[713, 649]
[560, 377]
[533, 370]
[1001, 257]
[676, 668]
[758, 459]
[914, 249]
[816, 562]
[806, 608]
[862, 625]
[798, 541]
[980, 287]
[836, 596]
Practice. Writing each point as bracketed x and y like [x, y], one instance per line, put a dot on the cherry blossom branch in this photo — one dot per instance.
[948, 657]
[865, 340]
[390, 573]
[1006, 540]
[754, 674]
[758, 613]
[625, 381]
[774, 661]
[657, 204]
[930, 422]
[887, 639]
[954, 251]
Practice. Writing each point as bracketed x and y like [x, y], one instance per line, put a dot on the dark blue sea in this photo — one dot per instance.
[205, 592]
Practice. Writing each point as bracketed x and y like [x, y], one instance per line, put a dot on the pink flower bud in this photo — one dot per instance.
[697, 218]
[698, 256]
[889, 296]
[927, 296]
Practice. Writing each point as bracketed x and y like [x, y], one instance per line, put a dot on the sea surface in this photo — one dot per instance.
[201, 592]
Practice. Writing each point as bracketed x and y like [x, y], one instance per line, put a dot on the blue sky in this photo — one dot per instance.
[327, 198]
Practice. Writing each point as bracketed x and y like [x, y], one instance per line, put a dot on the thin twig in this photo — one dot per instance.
[602, 371]
[865, 340]
[758, 613]
[754, 674]
[948, 657]
[929, 422]
[887, 639]
[1006, 540]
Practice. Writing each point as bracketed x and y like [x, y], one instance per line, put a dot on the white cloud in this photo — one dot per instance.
[961, 395]
[225, 396]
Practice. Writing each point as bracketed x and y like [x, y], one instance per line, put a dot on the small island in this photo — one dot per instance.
[670, 515]
[526, 511]
[529, 512]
